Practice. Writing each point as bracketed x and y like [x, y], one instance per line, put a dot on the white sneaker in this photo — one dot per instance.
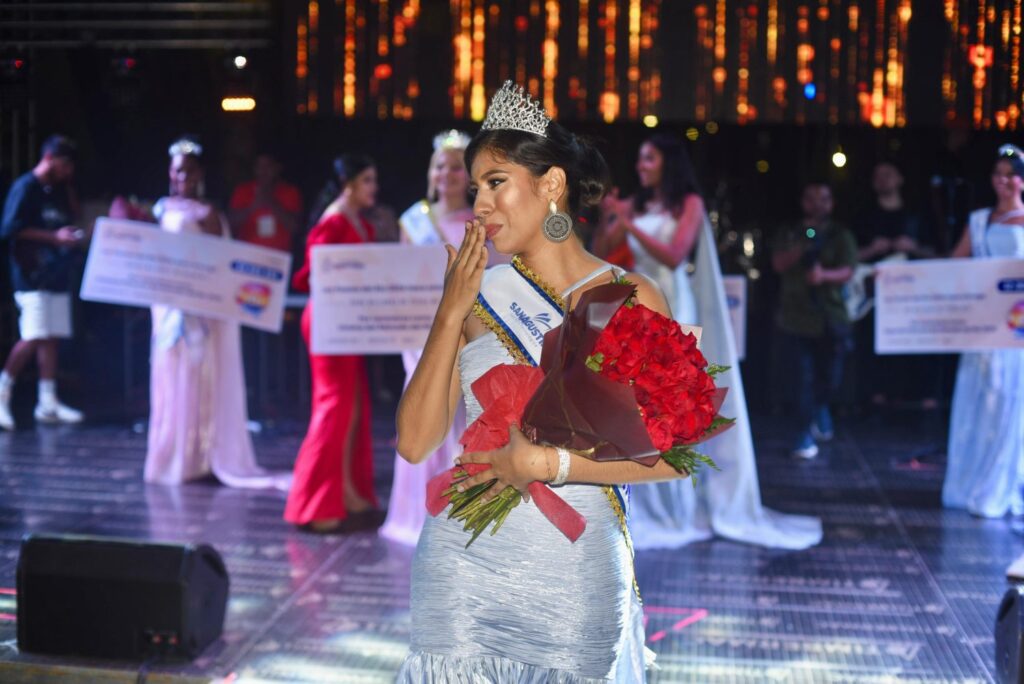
[806, 452]
[6, 419]
[57, 413]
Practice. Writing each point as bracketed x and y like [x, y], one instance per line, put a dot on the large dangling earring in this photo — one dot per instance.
[557, 224]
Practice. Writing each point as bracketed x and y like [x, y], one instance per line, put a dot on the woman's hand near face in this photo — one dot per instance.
[465, 271]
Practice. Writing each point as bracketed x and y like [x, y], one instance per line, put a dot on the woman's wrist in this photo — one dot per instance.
[448, 315]
[544, 464]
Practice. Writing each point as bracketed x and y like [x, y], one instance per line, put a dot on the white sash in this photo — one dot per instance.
[418, 224]
[518, 310]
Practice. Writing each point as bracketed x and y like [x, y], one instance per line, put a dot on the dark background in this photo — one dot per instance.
[124, 79]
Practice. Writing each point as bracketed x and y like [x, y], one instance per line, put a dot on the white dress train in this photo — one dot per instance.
[726, 503]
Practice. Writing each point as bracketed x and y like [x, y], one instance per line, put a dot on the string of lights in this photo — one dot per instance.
[744, 61]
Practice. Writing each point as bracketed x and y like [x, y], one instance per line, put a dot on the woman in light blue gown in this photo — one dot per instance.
[663, 223]
[985, 458]
[524, 605]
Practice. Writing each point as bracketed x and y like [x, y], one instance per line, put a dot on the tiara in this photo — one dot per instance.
[185, 147]
[451, 140]
[1011, 151]
[512, 108]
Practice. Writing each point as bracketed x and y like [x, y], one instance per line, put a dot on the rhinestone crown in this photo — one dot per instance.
[513, 108]
[451, 140]
[1011, 151]
[185, 147]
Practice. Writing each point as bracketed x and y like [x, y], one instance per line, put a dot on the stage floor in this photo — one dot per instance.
[900, 590]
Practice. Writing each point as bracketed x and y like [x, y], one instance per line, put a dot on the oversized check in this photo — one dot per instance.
[137, 264]
[374, 299]
[949, 305]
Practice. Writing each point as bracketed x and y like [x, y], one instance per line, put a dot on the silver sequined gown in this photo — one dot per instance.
[525, 605]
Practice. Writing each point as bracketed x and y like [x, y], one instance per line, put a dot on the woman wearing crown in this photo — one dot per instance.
[525, 605]
[438, 219]
[197, 417]
[985, 457]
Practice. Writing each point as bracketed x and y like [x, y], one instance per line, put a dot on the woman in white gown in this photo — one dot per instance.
[663, 223]
[198, 416]
[525, 605]
[985, 457]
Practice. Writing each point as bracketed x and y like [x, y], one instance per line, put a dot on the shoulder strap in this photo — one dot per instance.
[600, 270]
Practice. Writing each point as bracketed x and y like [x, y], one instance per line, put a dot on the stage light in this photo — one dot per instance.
[238, 104]
[711, 127]
[810, 91]
[762, 166]
[650, 121]
[839, 159]
[692, 134]
[240, 61]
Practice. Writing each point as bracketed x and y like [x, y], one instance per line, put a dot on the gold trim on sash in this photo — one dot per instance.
[495, 327]
[525, 270]
[613, 499]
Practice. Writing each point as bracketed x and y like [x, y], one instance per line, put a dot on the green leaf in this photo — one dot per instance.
[687, 459]
[594, 362]
[718, 422]
[714, 370]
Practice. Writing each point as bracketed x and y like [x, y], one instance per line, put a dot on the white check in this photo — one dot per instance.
[949, 305]
[137, 264]
[374, 299]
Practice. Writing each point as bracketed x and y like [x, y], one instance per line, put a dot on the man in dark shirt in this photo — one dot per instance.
[814, 258]
[888, 229]
[37, 220]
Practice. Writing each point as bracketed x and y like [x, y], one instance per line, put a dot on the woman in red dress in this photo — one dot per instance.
[333, 486]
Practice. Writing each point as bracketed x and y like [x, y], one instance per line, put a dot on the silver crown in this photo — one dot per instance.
[451, 140]
[512, 108]
[185, 147]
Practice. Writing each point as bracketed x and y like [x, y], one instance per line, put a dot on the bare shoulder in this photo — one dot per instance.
[693, 202]
[649, 294]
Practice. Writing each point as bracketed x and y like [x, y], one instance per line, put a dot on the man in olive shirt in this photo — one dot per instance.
[814, 258]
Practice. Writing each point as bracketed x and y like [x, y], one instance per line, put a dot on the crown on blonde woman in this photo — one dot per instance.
[513, 108]
[451, 140]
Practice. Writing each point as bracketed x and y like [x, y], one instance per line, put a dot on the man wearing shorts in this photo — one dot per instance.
[37, 220]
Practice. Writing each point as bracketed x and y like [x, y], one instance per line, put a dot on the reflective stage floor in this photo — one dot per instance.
[900, 590]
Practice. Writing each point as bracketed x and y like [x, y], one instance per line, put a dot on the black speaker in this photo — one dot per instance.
[116, 598]
[1009, 630]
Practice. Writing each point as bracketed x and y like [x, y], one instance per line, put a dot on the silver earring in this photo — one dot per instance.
[557, 224]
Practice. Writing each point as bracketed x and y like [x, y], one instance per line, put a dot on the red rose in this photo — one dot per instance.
[649, 351]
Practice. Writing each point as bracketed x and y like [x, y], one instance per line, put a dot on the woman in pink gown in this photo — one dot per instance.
[333, 486]
[197, 420]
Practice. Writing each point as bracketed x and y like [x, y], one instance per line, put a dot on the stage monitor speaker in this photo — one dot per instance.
[1009, 633]
[116, 598]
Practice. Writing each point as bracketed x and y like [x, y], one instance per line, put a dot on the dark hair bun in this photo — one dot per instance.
[587, 174]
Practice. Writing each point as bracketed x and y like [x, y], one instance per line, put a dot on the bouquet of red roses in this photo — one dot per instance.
[616, 381]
